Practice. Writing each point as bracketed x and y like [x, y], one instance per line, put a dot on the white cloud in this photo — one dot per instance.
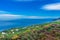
[40, 17]
[6, 17]
[55, 6]
[33, 17]
[9, 16]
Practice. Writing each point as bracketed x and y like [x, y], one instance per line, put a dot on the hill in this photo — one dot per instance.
[47, 31]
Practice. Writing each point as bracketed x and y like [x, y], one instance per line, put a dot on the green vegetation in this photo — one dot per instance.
[47, 31]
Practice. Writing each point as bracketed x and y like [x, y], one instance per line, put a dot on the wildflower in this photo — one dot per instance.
[3, 33]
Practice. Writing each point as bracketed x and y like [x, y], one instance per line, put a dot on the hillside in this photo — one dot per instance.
[47, 31]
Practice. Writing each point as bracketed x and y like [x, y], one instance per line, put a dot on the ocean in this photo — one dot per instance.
[4, 25]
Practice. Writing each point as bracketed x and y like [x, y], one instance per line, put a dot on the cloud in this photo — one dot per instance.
[40, 17]
[9, 16]
[6, 17]
[55, 6]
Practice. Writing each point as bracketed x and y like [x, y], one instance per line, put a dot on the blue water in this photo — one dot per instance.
[4, 25]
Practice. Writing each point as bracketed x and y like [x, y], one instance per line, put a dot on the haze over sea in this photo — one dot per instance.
[4, 25]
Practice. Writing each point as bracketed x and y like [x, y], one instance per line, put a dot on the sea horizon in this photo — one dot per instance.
[5, 25]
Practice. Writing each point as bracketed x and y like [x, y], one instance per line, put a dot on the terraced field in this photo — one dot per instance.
[47, 31]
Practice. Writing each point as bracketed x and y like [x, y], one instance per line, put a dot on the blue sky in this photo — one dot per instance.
[14, 9]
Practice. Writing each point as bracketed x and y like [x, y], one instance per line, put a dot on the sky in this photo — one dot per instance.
[34, 9]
